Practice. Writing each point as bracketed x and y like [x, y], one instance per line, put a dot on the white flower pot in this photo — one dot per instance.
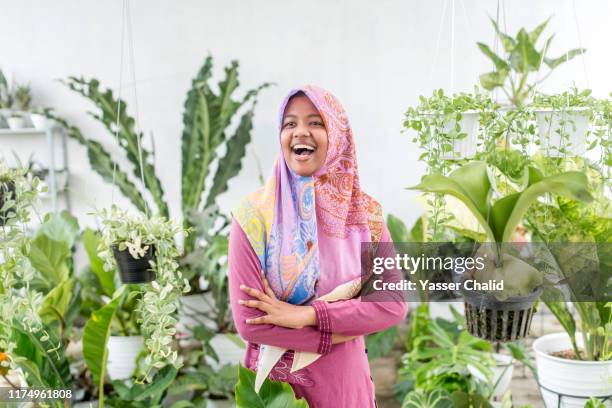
[39, 121]
[122, 353]
[574, 123]
[581, 379]
[15, 123]
[502, 374]
[227, 350]
[463, 148]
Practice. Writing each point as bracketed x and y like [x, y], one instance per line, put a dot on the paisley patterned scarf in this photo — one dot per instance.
[281, 218]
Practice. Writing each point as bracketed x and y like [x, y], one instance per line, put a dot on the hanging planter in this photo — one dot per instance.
[7, 192]
[122, 354]
[499, 321]
[501, 314]
[563, 122]
[144, 248]
[134, 269]
[448, 127]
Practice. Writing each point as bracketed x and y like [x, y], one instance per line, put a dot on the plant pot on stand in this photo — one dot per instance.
[463, 148]
[568, 383]
[563, 132]
[122, 354]
[16, 122]
[499, 320]
[134, 270]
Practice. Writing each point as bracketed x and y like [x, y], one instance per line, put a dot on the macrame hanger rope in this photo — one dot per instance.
[123, 10]
[434, 61]
[579, 35]
[136, 112]
[452, 50]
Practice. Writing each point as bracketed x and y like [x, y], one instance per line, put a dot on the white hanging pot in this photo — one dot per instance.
[502, 374]
[38, 121]
[122, 353]
[16, 122]
[572, 123]
[464, 148]
[562, 378]
[228, 351]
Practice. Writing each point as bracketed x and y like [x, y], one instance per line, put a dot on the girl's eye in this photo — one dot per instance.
[316, 123]
[288, 124]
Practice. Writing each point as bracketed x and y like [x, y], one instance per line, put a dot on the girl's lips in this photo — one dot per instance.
[301, 157]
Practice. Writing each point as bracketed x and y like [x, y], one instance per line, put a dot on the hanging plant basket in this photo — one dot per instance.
[463, 148]
[563, 132]
[134, 270]
[496, 320]
[7, 191]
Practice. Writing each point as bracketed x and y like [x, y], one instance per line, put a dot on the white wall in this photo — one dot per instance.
[377, 57]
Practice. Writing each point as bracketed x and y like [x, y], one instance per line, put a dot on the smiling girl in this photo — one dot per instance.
[298, 238]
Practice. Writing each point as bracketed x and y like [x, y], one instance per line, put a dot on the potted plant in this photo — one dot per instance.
[136, 235]
[38, 117]
[504, 316]
[16, 121]
[583, 352]
[448, 125]
[563, 121]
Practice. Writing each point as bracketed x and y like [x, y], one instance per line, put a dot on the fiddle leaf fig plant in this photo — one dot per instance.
[160, 297]
[498, 220]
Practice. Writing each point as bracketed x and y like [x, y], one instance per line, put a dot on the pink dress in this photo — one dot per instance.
[341, 377]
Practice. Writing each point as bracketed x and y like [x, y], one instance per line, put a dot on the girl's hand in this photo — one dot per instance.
[279, 313]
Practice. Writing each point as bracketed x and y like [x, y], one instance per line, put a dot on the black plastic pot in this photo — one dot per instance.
[499, 320]
[132, 270]
[7, 190]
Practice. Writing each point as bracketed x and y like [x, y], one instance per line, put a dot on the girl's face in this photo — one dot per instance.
[303, 136]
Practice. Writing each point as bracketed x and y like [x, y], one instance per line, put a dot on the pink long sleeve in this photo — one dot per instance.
[244, 268]
[355, 317]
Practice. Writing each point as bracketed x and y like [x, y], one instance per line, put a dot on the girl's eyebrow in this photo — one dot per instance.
[312, 115]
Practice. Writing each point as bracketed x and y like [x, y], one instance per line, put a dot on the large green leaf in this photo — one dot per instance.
[229, 166]
[535, 33]
[113, 111]
[507, 212]
[91, 241]
[273, 394]
[95, 340]
[103, 164]
[152, 392]
[524, 57]
[397, 229]
[423, 399]
[56, 302]
[49, 258]
[555, 62]
[60, 227]
[499, 62]
[507, 42]
[470, 184]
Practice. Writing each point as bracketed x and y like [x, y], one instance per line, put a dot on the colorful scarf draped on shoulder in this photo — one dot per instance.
[281, 219]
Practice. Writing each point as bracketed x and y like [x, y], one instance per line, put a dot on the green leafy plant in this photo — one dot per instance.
[523, 58]
[6, 97]
[160, 297]
[22, 97]
[271, 395]
[207, 121]
[472, 186]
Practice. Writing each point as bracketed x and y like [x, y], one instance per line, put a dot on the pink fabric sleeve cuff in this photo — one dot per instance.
[324, 326]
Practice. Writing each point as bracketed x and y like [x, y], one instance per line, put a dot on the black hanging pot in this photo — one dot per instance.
[132, 270]
[499, 320]
[7, 191]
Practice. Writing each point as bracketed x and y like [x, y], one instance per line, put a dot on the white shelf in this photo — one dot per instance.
[24, 131]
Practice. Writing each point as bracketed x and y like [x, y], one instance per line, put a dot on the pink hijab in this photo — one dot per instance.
[282, 219]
